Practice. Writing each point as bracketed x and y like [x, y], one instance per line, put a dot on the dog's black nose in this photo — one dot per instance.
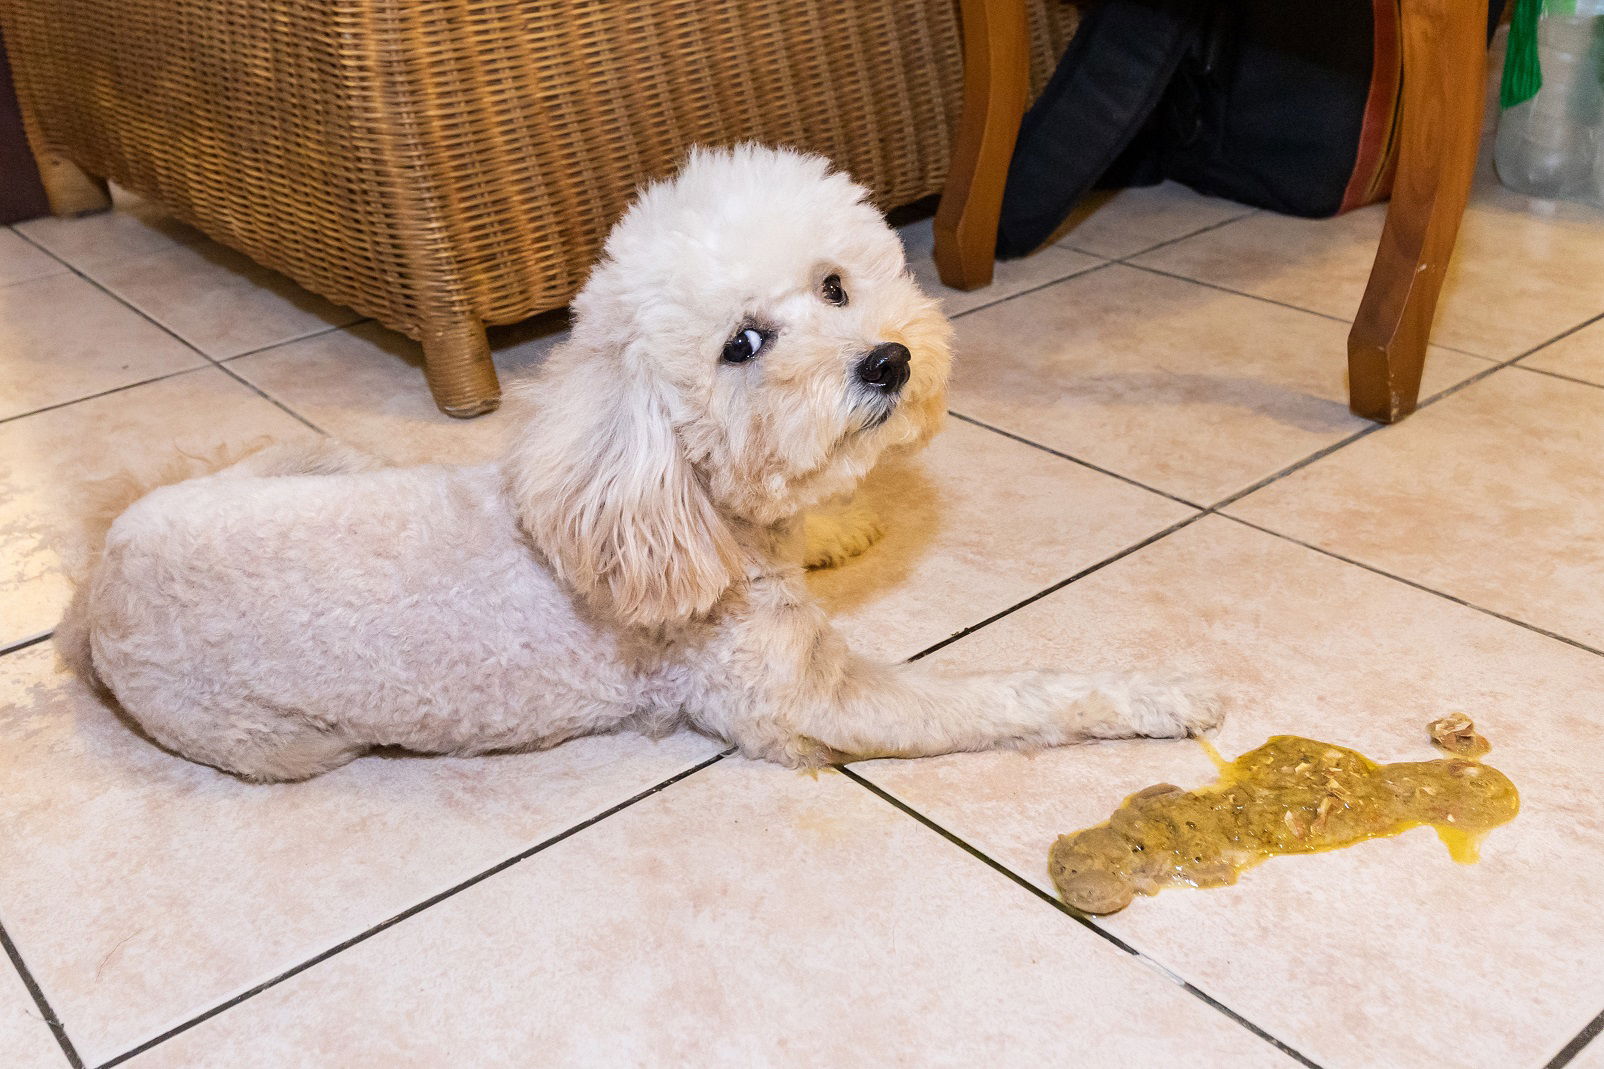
[886, 367]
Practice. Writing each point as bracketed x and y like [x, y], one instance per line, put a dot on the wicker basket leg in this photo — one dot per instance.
[462, 377]
[70, 190]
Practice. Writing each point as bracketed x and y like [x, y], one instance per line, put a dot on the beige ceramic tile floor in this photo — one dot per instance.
[1151, 465]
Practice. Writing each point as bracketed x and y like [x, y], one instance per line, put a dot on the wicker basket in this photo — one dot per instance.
[445, 164]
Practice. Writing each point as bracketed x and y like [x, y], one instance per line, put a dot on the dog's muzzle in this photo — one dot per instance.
[885, 368]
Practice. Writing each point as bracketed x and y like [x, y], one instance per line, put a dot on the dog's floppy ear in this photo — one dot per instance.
[604, 489]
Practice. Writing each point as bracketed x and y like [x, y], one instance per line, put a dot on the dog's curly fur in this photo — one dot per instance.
[634, 562]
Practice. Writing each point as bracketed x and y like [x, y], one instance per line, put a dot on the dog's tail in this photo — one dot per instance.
[106, 499]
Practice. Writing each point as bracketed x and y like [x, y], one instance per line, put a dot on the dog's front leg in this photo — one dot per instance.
[911, 711]
[801, 697]
[838, 531]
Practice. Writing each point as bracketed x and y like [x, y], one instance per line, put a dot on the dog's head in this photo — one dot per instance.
[749, 344]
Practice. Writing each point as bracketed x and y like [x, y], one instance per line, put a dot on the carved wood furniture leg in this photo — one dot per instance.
[461, 374]
[1444, 49]
[996, 83]
[71, 190]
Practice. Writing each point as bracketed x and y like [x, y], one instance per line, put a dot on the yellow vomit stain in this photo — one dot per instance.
[1290, 796]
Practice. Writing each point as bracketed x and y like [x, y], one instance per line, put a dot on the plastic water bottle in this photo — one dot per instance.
[1553, 144]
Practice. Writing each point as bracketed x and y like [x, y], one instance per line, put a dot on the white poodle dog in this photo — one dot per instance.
[750, 343]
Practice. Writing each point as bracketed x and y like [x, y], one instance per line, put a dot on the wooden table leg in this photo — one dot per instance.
[1444, 53]
[996, 84]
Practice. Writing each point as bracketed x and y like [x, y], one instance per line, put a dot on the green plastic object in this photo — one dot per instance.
[1523, 74]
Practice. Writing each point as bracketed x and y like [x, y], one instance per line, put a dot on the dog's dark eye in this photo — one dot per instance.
[831, 290]
[746, 344]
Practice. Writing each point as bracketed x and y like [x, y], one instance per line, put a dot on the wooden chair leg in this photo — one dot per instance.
[70, 189]
[996, 85]
[1444, 49]
[461, 374]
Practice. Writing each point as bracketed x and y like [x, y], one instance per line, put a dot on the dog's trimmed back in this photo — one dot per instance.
[102, 501]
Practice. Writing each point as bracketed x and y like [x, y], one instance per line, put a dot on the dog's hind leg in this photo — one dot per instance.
[255, 738]
[294, 758]
[281, 753]
[299, 758]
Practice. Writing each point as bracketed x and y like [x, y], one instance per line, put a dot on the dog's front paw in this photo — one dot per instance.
[835, 536]
[1158, 708]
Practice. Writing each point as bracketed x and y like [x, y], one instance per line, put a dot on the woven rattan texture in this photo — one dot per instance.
[439, 162]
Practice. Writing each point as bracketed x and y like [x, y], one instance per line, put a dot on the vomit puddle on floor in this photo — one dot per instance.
[1290, 796]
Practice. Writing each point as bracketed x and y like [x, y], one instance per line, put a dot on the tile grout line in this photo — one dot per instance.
[269, 398]
[1239, 293]
[17, 647]
[1106, 262]
[1186, 236]
[182, 371]
[1323, 315]
[158, 324]
[1515, 361]
[104, 393]
[1557, 375]
[1232, 498]
[36, 278]
[1061, 584]
[1082, 273]
[220, 364]
[411, 911]
[1209, 1000]
[270, 346]
[1296, 466]
[1128, 259]
[48, 252]
[1288, 305]
[1589, 1033]
[1561, 336]
[1073, 459]
[132, 307]
[1412, 583]
[39, 1000]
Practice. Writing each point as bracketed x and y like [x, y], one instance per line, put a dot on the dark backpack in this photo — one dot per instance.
[1279, 104]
